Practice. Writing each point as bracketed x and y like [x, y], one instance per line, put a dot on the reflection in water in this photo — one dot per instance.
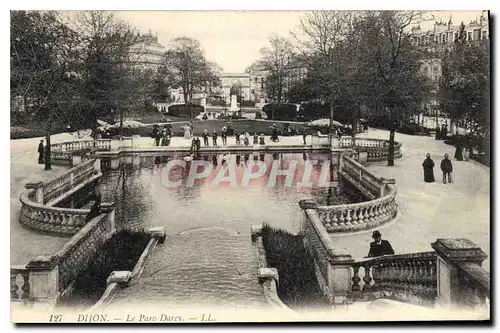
[143, 198]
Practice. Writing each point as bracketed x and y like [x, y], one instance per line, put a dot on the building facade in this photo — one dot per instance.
[436, 42]
[147, 53]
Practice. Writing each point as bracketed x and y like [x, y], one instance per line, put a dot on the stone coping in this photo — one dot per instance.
[268, 277]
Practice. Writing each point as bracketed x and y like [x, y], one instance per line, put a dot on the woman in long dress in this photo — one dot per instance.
[428, 166]
[187, 132]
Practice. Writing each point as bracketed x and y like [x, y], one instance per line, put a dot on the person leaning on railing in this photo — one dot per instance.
[379, 247]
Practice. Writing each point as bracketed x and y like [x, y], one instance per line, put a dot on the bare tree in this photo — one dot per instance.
[276, 60]
[106, 65]
[186, 67]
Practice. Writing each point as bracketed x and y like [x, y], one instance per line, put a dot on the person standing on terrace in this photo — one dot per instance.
[41, 150]
[428, 166]
[379, 247]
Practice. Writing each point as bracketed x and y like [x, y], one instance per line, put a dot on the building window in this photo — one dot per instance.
[469, 36]
[477, 34]
[484, 34]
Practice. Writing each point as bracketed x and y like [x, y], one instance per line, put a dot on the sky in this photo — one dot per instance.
[233, 39]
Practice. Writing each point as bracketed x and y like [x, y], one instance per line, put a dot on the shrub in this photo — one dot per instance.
[248, 103]
[182, 110]
[119, 253]
[297, 280]
[280, 111]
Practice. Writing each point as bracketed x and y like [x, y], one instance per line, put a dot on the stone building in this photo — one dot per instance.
[435, 42]
[147, 53]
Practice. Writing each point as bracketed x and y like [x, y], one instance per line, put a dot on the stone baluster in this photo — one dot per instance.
[356, 279]
[452, 255]
[367, 279]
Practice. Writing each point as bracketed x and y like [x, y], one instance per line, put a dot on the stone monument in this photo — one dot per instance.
[234, 105]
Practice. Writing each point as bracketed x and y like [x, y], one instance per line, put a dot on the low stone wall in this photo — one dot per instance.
[268, 277]
[332, 265]
[121, 279]
[47, 278]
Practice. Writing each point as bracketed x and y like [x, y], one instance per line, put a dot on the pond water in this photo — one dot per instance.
[141, 187]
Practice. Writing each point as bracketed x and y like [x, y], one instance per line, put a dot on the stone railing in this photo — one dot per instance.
[64, 152]
[47, 278]
[380, 208]
[331, 265]
[449, 276]
[37, 210]
[99, 144]
[71, 178]
[404, 277]
[375, 149]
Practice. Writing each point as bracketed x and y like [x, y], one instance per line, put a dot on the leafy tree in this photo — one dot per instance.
[42, 69]
[464, 84]
[393, 83]
[106, 68]
[186, 67]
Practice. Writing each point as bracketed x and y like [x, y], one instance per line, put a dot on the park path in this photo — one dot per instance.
[428, 211]
[198, 269]
[25, 244]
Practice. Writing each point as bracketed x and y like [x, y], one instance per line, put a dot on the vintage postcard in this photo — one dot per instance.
[249, 166]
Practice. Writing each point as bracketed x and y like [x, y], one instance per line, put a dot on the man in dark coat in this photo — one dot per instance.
[156, 134]
[214, 137]
[428, 169]
[458, 150]
[95, 210]
[41, 151]
[379, 247]
[447, 168]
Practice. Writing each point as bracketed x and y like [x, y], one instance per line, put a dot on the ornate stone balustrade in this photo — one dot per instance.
[37, 211]
[450, 276]
[404, 277]
[376, 149]
[331, 265]
[99, 144]
[47, 278]
[379, 209]
[73, 177]
[62, 153]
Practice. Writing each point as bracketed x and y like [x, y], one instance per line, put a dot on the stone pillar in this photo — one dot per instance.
[268, 273]
[304, 205]
[363, 157]
[97, 165]
[109, 209]
[114, 163]
[339, 274]
[158, 232]
[450, 254]
[119, 277]
[76, 159]
[44, 280]
[384, 183]
[334, 143]
[255, 232]
[136, 160]
[38, 187]
[115, 144]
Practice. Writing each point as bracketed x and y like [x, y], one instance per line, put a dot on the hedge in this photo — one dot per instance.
[280, 111]
[182, 110]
